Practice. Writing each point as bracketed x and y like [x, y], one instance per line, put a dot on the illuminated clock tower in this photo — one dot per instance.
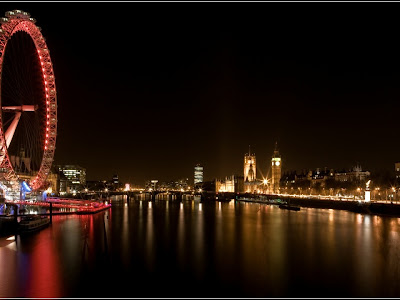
[276, 170]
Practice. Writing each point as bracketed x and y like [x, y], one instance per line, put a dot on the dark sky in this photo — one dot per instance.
[147, 90]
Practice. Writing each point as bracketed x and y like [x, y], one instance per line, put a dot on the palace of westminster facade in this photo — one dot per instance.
[311, 181]
[249, 183]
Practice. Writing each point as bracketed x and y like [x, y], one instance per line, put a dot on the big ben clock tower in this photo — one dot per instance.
[276, 169]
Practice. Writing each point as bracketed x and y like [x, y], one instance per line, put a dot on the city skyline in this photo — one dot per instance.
[148, 90]
[249, 149]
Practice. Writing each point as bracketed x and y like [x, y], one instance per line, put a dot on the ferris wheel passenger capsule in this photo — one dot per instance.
[33, 20]
[3, 20]
[10, 13]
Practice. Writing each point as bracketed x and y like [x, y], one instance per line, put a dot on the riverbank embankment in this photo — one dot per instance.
[375, 208]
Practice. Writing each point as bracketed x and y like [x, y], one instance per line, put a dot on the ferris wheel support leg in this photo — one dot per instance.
[11, 129]
[18, 109]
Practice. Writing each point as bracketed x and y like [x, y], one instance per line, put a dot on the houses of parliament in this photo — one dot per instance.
[320, 181]
[249, 183]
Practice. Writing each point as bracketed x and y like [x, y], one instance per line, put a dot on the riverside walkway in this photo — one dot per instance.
[375, 207]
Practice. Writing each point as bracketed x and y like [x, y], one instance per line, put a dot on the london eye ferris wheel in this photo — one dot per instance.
[28, 102]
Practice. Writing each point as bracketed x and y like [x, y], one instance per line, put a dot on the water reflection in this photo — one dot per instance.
[42, 269]
[188, 248]
[150, 239]
[180, 255]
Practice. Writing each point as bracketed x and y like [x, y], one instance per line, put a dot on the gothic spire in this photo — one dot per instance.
[276, 151]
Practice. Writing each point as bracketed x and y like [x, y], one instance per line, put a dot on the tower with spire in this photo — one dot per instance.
[250, 171]
[276, 169]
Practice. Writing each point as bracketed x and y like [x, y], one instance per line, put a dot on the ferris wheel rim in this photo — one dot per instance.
[14, 22]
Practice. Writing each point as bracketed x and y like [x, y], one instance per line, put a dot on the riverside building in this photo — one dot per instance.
[198, 174]
[250, 183]
[72, 178]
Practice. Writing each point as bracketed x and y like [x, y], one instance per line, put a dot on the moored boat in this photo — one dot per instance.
[224, 200]
[289, 207]
[32, 223]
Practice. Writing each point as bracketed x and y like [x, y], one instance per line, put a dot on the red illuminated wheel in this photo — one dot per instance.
[28, 102]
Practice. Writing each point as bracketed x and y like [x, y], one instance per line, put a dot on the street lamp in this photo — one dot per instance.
[394, 193]
[376, 189]
[359, 192]
[265, 182]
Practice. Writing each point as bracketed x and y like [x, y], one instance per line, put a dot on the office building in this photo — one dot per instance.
[72, 178]
[198, 174]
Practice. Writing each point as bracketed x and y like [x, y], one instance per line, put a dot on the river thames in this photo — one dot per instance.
[210, 249]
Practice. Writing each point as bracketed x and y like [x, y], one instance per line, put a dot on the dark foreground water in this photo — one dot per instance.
[193, 249]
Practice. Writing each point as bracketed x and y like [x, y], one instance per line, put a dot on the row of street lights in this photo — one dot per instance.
[389, 194]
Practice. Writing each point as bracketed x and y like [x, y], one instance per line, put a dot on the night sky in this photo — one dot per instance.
[147, 90]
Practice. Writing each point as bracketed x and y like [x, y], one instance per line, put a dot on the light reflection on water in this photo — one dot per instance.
[210, 249]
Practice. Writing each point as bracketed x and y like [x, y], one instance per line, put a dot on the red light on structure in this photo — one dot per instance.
[27, 25]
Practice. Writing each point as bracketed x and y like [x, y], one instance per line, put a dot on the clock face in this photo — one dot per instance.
[277, 163]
